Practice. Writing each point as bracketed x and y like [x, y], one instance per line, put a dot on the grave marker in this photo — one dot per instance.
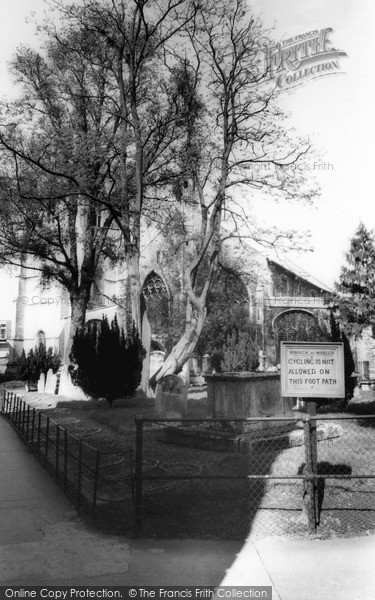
[51, 379]
[41, 383]
[171, 398]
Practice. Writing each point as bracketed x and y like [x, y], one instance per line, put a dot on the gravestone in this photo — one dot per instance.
[51, 380]
[146, 343]
[41, 383]
[156, 360]
[67, 387]
[185, 373]
[196, 377]
[171, 398]
[205, 363]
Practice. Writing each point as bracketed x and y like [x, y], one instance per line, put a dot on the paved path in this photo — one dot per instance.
[43, 542]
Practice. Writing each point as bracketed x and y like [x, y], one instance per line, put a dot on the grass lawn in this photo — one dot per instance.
[225, 508]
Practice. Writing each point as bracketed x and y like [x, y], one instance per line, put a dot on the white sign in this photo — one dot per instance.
[312, 369]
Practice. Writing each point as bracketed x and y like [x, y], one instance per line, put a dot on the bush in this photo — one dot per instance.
[105, 362]
[240, 352]
[37, 361]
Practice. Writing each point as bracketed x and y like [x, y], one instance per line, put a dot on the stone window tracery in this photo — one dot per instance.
[41, 338]
[297, 326]
[155, 294]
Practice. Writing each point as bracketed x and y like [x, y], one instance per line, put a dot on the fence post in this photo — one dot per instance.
[18, 413]
[39, 428]
[309, 495]
[20, 420]
[22, 414]
[27, 423]
[95, 491]
[23, 417]
[65, 460]
[14, 408]
[47, 442]
[138, 474]
[79, 474]
[57, 451]
[32, 428]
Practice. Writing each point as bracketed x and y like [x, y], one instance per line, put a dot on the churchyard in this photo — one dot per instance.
[188, 491]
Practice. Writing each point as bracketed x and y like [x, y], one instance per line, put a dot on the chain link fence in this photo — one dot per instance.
[231, 478]
[345, 482]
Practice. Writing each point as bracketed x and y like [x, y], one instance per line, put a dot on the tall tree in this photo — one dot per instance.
[136, 35]
[236, 142]
[184, 106]
[354, 302]
[56, 174]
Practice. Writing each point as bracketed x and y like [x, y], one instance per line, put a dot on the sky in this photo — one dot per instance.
[335, 112]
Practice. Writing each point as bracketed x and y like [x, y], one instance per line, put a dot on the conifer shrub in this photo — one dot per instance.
[105, 362]
[338, 335]
[38, 360]
[240, 352]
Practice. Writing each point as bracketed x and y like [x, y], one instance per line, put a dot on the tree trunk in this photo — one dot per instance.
[135, 288]
[77, 319]
[184, 348]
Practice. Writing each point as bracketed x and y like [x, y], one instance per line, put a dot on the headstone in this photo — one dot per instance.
[156, 360]
[194, 366]
[171, 398]
[41, 383]
[146, 343]
[67, 387]
[185, 373]
[50, 386]
[196, 377]
[205, 363]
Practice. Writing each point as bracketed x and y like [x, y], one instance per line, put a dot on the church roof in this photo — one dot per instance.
[290, 266]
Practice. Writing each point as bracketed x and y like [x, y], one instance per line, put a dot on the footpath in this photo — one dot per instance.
[43, 542]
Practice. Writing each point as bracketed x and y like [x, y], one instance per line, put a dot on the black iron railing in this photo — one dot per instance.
[89, 477]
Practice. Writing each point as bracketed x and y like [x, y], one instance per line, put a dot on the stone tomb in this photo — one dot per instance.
[243, 395]
[234, 396]
[171, 398]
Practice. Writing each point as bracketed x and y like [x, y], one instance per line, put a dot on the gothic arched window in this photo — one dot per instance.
[297, 326]
[40, 338]
[157, 305]
[93, 327]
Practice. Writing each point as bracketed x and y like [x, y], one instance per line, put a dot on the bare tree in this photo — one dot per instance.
[235, 142]
[145, 110]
